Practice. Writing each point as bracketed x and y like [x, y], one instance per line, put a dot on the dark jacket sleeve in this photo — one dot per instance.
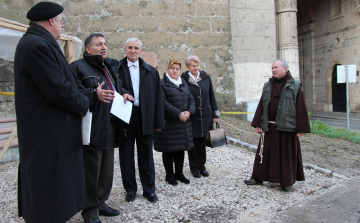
[91, 93]
[191, 108]
[215, 111]
[170, 110]
[50, 80]
[257, 117]
[302, 118]
[159, 105]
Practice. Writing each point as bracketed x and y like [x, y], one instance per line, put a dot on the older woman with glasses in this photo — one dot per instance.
[201, 88]
[177, 136]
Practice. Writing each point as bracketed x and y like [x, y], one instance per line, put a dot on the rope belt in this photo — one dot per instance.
[262, 143]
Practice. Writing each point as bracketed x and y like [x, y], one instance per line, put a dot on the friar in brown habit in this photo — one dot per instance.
[281, 117]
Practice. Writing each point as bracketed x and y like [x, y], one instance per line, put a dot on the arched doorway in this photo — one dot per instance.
[338, 93]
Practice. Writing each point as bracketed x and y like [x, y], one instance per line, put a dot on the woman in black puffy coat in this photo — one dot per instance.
[177, 136]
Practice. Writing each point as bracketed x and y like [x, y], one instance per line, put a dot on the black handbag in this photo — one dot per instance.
[216, 137]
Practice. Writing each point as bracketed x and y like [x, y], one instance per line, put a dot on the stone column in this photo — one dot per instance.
[288, 49]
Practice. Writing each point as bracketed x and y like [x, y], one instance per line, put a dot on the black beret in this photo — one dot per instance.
[43, 11]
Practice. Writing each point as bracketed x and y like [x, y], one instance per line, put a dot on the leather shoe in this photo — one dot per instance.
[196, 174]
[204, 173]
[109, 212]
[286, 189]
[252, 181]
[92, 220]
[130, 196]
[151, 197]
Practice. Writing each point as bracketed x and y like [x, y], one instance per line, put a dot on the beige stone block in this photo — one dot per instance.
[121, 8]
[264, 16]
[212, 9]
[270, 30]
[185, 39]
[263, 43]
[252, 56]
[220, 25]
[268, 56]
[239, 56]
[142, 24]
[245, 15]
[100, 24]
[155, 8]
[118, 40]
[72, 25]
[242, 43]
[260, 4]
[215, 39]
[245, 29]
[174, 24]
[200, 24]
[155, 39]
[116, 53]
[82, 8]
[237, 3]
[182, 8]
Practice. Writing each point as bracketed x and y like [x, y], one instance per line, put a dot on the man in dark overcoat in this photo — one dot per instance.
[49, 108]
[143, 83]
[282, 117]
[100, 78]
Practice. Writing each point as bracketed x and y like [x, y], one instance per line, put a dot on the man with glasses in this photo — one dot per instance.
[49, 108]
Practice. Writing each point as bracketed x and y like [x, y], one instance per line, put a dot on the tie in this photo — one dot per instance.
[108, 80]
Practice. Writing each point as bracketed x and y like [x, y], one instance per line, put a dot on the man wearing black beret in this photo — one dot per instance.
[49, 108]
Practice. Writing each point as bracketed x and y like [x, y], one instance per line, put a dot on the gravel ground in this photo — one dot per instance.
[222, 197]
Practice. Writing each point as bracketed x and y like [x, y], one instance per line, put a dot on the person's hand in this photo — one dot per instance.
[258, 130]
[187, 113]
[127, 97]
[215, 120]
[158, 130]
[300, 134]
[183, 117]
[104, 95]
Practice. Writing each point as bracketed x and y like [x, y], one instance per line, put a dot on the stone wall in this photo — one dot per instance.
[173, 28]
[333, 38]
[253, 31]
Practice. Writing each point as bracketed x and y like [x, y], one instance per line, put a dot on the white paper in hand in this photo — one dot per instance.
[121, 110]
[86, 128]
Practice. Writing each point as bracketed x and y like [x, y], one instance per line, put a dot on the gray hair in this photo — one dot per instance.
[133, 39]
[284, 63]
[191, 58]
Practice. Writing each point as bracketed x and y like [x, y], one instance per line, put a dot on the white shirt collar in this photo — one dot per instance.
[136, 64]
[197, 78]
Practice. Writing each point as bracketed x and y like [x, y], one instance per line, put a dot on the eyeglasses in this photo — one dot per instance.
[62, 21]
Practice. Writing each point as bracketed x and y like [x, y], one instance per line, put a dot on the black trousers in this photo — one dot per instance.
[197, 155]
[99, 171]
[144, 144]
[171, 158]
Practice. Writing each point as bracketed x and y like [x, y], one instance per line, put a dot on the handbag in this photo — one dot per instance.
[216, 137]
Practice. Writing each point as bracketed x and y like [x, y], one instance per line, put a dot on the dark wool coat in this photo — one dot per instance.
[177, 134]
[282, 161]
[150, 96]
[205, 103]
[49, 108]
[90, 72]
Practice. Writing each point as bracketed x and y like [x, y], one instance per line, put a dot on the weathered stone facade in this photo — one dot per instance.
[331, 38]
[237, 40]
